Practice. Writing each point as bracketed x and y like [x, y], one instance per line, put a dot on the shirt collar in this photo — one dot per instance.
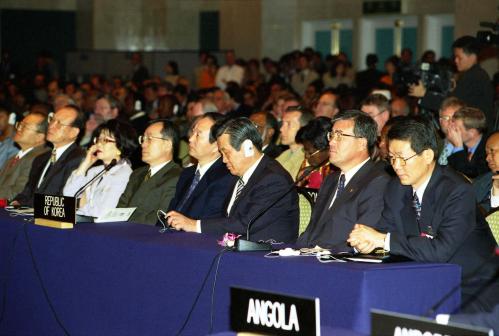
[157, 168]
[352, 171]
[420, 191]
[59, 151]
[203, 169]
[246, 176]
[22, 153]
[472, 149]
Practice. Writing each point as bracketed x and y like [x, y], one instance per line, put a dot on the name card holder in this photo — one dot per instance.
[55, 211]
[274, 314]
[385, 323]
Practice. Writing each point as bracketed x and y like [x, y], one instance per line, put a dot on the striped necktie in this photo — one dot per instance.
[195, 181]
[239, 190]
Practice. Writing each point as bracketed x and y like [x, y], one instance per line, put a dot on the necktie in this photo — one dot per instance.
[193, 185]
[416, 206]
[53, 156]
[52, 160]
[239, 190]
[148, 175]
[341, 185]
[442, 160]
[14, 161]
[470, 154]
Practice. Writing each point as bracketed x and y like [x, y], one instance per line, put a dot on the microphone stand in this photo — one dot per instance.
[245, 245]
[82, 189]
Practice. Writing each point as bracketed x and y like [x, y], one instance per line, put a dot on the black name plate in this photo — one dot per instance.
[385, 323]
[55, 211]
[275, 314]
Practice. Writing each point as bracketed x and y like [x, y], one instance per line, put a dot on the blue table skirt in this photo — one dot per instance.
[128, 279]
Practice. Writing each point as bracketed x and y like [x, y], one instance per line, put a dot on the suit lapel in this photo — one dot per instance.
[251, 182]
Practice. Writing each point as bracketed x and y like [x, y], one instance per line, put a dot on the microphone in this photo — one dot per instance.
[444, 298]
[106, 168]
[245, 245]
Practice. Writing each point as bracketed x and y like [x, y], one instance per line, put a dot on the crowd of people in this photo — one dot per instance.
[397, 165]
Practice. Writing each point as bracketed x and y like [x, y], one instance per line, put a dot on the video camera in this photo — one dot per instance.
[436, 77]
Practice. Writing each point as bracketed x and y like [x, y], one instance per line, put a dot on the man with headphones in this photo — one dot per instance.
[261, 181]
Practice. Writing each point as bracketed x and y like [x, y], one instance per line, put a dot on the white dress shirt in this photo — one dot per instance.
[348, 176]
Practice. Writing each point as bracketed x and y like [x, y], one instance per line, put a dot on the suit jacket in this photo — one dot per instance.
[476, 166]
[207, 199]
[268, 182]
[361, 202]
[55, 179]
[151, 195]
[461, 235]
[13, 177]
[482, 186]
[488, 319]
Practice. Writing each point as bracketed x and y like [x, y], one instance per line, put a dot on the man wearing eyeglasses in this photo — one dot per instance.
[355, 193]
[429, 211]
[449, 107]
[152, 186]
[30, 136]
[51, 170]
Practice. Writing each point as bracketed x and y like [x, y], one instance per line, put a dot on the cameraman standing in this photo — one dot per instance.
[473, 84]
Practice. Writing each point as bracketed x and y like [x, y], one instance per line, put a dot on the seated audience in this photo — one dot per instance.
[467, 135]
[355, 193]
[293, 119]
[152, 187]
[429, 212]
[313, 137]
[202, 188]
[268, 128]
[50, 171]
[114, 142]
[30, 137]
[261, 181]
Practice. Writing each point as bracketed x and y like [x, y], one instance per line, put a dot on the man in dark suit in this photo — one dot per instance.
[467, 135]
[30, 136]
[268, 128]
[486, 186]
[352, 195]
[51, 170]
[202, 189]
[261, 182]
[429, 213]
[151, 187]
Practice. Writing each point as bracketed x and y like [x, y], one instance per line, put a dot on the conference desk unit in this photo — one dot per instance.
[129, 279]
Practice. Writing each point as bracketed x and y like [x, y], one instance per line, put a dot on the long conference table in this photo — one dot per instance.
[129, 279]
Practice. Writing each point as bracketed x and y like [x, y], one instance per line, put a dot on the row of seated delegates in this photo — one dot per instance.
[240, 144]
[268, 127]
[293, 119]
[202, 188]
[429, 214]
[354, 193]
[50, 170]
[315, 166]
[152, 186]
[114, 142]
[30, 137]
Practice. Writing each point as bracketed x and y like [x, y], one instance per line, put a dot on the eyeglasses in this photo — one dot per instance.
[338, 135]
[308, 156]
[148, 138]
[21, 125]
[103, 141]
[57, 123]
[445, 118]
[403, 161]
